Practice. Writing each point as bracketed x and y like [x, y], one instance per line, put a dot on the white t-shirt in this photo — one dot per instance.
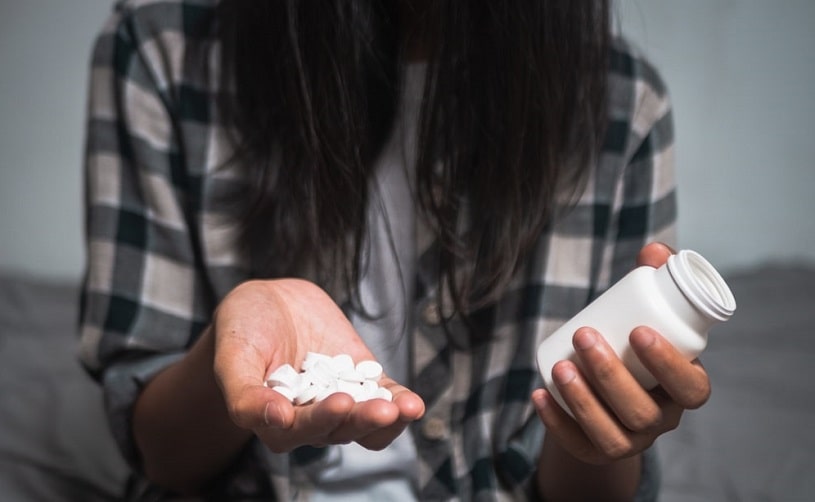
[353, 473]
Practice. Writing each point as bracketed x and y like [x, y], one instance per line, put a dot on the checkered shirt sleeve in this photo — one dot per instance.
[150, 284]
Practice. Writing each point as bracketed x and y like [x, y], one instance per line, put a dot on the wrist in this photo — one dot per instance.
[181, 425]
[562, 476]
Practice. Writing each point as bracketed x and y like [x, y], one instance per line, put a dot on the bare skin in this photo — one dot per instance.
[299, 318]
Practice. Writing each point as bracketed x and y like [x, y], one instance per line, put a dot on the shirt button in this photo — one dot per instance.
[431, 314]
[434, 429]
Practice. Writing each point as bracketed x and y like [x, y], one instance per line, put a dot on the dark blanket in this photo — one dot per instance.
[54, 443]
[754, 440]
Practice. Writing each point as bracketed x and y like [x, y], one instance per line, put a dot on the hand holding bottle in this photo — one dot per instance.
[612, 415]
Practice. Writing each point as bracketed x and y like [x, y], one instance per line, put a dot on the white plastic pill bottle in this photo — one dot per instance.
[682, 300]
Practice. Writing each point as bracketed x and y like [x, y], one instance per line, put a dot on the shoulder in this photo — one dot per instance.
[160, 15]
[145, 41]
[630, 68]
[639, 100]
[145, 20]
[138, 22]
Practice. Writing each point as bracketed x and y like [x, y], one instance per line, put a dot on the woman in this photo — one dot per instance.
[434, 185]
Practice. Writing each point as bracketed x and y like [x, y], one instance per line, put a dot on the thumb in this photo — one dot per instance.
[654, 254]
[249, 402]
[256, 406]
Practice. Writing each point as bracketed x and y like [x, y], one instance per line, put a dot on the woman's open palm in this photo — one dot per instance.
[261, 325]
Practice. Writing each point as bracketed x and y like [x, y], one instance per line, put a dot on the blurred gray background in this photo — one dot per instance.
[741, 74]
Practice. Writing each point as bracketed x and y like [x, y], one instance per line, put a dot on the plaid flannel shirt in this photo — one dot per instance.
[161, 254]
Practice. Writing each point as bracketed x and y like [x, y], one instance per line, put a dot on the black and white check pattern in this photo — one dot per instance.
[161, 255]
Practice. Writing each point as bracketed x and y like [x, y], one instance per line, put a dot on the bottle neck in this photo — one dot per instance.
[701, 285]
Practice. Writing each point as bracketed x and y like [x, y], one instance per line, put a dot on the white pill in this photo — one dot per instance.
[284, 391]
[351, 376]
[369, 387]
[353, 389]
[321, 374]
[306, 395]
[312, 358]
[371, 370]
[383, 393]
[324, 392]
[365, 391]
[284, 375]
[343, 362]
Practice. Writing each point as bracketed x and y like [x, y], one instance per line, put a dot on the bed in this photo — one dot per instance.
[54, 444]
[751, 442]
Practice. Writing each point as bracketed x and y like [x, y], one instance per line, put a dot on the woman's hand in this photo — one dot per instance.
[615, 418]
[263, 324]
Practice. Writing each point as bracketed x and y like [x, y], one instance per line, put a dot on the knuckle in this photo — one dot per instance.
[237, 416]
[644, 419]
[672, 422]
[616, 447]
[235, 410]
[695, 398]
[604, 371]
[239, 412]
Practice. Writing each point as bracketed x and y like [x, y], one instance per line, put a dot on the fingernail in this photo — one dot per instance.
[584, 339]
[563, 374]
[266, 413]
[272, 414]
[539, 400]
[643, 337]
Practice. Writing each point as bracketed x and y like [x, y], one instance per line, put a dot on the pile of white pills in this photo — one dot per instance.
[323, 375]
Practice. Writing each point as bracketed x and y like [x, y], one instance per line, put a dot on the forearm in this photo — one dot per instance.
[181, 426]
[561, 476]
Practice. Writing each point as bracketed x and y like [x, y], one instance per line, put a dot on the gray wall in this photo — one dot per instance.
[44, 53]
[740, 73]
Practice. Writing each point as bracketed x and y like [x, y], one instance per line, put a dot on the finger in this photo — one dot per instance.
[671, 411]
[602, 429]
[255, 406]
[608, 376]
[564, 429]
[240, 368]
[686, 382]
[313, 424]
[367, 417]
[250, 404]
[654, 254]
[381, 438]
[410, 408]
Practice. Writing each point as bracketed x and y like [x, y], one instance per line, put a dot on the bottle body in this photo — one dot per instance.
[682, 300]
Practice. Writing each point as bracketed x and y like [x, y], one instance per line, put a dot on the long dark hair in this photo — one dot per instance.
[514, 111]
